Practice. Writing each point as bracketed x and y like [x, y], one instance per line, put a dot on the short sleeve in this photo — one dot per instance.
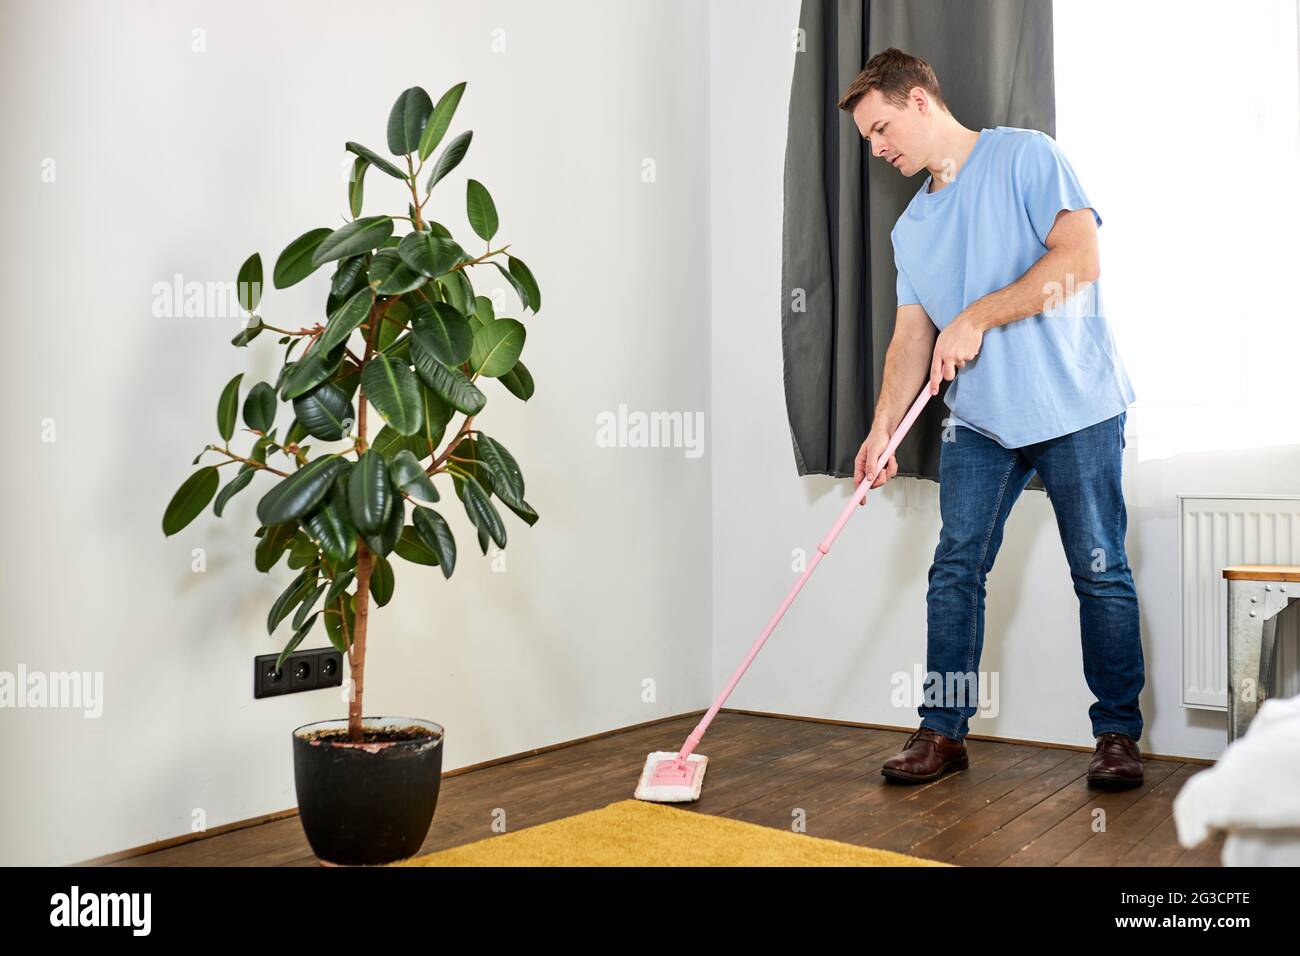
[906, 294]
[1049, 184]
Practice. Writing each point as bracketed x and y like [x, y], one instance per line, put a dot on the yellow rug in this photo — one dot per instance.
[637, 833]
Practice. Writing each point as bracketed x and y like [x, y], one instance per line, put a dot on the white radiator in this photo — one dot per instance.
[1214, 532]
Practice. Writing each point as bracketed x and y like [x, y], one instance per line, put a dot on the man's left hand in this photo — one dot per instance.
[956, 345]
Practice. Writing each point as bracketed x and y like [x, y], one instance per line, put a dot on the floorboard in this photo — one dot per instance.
[1017, 804]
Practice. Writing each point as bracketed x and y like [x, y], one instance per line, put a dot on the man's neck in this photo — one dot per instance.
[954, 146]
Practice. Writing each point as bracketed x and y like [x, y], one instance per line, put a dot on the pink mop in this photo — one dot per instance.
[677, 777]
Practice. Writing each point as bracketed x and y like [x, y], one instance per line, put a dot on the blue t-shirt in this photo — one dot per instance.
[1039, 377]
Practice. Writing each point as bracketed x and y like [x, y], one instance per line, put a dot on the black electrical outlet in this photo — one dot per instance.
[303, 670]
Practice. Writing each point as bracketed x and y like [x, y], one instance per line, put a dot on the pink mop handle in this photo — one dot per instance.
[693, 740]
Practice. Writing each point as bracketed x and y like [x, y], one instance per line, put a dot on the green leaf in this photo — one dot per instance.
[345, 319]
[247, 333]
[437, 537]
[339, 584]
[470, 460]
[450, 158]
[400, 350]
[295, 641]
[336, 613]
[409, 475]
[440, 120]
[313, 368]
[190, 499]
[448, 383]
[333, 529]
[457, 290]
[394, 392]
[348, 378]
[390, 441]
[481, 210]
[483, 309]
[524, 511]
[325, 412]
[519, 381]
[391, 326]
[302, 550]
[514, 283]
[228, 407]
[290, 597]
[376, 160]
[234, 487]
[347, 274]
[437, 413]
[406, 120]
[260, 448]
[369, 495]
[480, 509]
[300, 492]
[389, 275]
[296, 433]
[290, 342]
[524, 277]
[412, 547]
[442, 332]
[259, 407]
[249, 283]
[381, 580]
[300, 616]
[296, 262]
[384, 542]
[359, 235]
[275, 541]
[508, 480]
[497, 346]
[428, 254]
[357, 185]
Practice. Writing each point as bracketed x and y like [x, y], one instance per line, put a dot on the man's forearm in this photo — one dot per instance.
[907, 363]
[1058, 273]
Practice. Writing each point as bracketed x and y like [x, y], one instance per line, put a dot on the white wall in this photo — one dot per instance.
[660, 295]
[1197, 250]
[174, 161]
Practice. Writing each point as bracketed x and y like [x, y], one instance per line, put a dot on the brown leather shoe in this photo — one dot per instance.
[927, 755]
[1116, 762]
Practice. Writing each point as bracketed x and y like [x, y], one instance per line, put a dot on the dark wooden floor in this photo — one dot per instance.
[1017, 805]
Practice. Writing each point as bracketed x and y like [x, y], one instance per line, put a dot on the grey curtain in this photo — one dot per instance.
[994, 63]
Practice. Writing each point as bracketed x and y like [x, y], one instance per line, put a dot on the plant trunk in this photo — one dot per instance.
[365, 562]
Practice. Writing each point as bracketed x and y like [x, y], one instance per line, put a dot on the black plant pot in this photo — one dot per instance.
[369, 802]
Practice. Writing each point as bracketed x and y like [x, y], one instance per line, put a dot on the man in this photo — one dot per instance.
[997, 293]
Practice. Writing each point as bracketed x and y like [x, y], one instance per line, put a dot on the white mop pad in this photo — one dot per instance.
[670, 793]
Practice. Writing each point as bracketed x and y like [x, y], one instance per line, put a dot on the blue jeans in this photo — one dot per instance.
[979, 481]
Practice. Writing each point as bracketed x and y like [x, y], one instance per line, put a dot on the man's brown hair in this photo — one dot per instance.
[894, 73]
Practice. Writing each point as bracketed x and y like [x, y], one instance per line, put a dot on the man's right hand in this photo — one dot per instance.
[868, 455]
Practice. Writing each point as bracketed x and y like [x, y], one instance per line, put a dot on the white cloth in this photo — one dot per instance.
[1252, 792]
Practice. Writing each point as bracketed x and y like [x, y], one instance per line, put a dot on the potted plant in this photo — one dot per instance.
[406, 333]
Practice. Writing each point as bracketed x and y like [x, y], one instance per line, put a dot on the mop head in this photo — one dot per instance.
[663, 780]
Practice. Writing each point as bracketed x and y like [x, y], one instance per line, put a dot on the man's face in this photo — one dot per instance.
[899, 136]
